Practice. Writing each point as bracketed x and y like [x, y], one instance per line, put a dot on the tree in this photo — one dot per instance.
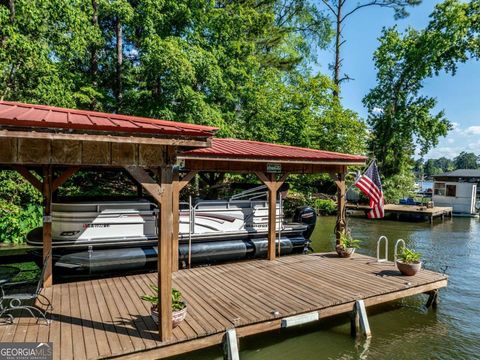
[431, 168]
[445, 164]
[400, 116]
[341, 13]
[466, 160]
[243, 66]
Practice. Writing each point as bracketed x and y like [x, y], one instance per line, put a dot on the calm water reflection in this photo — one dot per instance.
[403, 329]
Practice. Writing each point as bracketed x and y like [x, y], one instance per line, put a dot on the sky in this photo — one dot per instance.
[458, 96]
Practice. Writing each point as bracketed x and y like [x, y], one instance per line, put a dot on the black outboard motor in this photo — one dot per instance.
[306, 215]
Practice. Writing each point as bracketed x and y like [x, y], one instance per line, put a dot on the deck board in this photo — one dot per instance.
[106, 318]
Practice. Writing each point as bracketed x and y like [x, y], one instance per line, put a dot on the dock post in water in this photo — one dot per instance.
[432, 299]
[230, 345]
[359, 321]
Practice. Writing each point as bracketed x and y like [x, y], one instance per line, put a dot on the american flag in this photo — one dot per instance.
[369, 183]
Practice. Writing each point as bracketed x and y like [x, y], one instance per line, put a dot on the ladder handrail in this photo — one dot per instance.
[395, 255]
[379, 241]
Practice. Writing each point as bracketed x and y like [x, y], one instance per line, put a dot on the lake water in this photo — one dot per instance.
[425, 185]
[402, 329]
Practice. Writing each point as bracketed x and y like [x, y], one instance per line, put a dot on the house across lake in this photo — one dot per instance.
[458, 189]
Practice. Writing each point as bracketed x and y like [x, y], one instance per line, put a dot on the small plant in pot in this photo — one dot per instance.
[347, 245]
[408, 262]
[179, 306]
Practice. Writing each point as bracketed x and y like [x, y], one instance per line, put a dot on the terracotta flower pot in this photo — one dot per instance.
[177, 316]
[344, 252]
[409, 269]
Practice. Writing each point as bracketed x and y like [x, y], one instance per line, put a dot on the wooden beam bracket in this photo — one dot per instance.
[60, 180]
[181, 183]
[32, 179]
[149, 184]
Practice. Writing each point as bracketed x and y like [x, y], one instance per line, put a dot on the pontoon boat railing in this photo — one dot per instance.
[252, 193]
[192, 216]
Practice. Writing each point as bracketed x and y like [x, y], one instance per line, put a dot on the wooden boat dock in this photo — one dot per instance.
[412, 210]
[105, 318]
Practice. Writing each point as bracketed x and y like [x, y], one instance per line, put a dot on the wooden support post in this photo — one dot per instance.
[178, 185]
[360, 320]
[273, 185]
[163, 194]
[47, 224]
[341, 223]
[165, 232]
[47, 188]
[272, 221]
[230, 345]
[432, 299]
[354, 323]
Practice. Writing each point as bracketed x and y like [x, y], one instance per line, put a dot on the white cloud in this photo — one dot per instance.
[474, 146]
[446, 151]
[377, 110]
[475, 130]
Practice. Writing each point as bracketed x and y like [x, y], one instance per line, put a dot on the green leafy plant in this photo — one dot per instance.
[293, 201]
[346, 241]
[16, 222]
[177, 302]
[409, 256]
[326, 206]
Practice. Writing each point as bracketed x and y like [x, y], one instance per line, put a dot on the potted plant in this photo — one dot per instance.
[347, 245]
[179, 306]
[408, 262]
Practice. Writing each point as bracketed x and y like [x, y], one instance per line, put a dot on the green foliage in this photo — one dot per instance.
[295, 200]
[177, 302]
[437, 166]
[400, 116]
[20, 209]
[466, 160]
[15, 190]
[98, 183]
[399, 186]
[409, 256]
[325, 206]
[241, 66]
[346, 241]
[431, 167]
[16, 222]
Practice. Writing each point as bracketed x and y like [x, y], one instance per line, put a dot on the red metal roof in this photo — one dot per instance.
[42, 116]
[255, 150]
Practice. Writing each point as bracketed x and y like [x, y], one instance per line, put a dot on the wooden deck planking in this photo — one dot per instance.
[77, 329]
[87, 325]
[122, 315]
[106, 318]
[66, 325]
